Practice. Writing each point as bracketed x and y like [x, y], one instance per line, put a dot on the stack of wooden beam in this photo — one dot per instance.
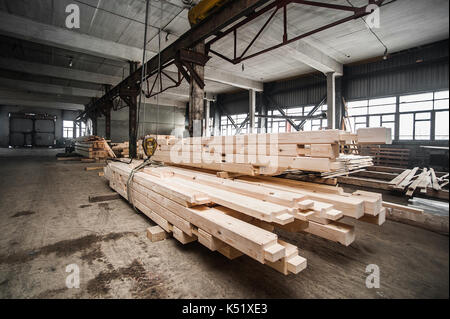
[269, 154]
[122, 149]
[411, 180]
[238, 216]
[93, 147]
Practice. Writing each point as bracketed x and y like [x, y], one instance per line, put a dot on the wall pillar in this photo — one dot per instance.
[132, 118]
[331, 100]
[108, 124]
[251, 110]
[206, 130]
[196, 97]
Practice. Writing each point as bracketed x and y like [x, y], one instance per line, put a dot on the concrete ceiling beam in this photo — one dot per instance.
[57, 72]
[48, 88]
[26, 29]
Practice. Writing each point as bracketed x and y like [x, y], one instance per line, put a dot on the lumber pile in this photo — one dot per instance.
[270, 154]
[122, 149]
[416, 179]
[93, 147]
[238, 216]
[382, 156]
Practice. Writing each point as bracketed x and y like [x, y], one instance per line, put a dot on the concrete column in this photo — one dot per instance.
[207, 131]
[339, 113]
[107, 114]
[74, 129]
[217, 119]
[196, 96]
[331, 100]
[132, 118]
[251, 110]
[264, 111]
[108, 124]
[94, 125]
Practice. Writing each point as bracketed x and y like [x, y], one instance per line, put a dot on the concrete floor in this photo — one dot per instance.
[47, 223]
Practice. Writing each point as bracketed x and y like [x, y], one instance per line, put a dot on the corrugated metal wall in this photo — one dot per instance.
[414, 70]
[421, 69]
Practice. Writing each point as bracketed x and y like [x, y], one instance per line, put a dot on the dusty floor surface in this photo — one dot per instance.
[47, 223]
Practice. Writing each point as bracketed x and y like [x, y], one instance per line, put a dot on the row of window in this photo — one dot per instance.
[418, 116]
[68, 130]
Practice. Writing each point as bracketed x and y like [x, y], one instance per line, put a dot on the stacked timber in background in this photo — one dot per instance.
[93, 147]
[122, 149]
[271, 154]
[382, 156]
[238, 216]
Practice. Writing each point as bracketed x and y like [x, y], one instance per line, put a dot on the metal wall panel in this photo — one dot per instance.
[418, 70]
[46, 126]
[17, 139]
[21, 125]
[44, 139]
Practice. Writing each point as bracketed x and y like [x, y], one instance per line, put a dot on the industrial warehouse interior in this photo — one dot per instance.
[224, 149]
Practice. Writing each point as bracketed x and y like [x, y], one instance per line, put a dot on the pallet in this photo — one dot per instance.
[398, 157]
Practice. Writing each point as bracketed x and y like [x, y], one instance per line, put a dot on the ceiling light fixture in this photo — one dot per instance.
[385, 55]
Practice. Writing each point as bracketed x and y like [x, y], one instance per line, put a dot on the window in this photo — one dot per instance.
[83, 129]
[211, 126]
[227, 127]
[68, 129]
[278, 125]
[416, 116]
[378, 112]
[420, 116]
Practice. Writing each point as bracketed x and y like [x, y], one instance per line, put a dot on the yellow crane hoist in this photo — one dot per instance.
[203, 9]
[149, 145]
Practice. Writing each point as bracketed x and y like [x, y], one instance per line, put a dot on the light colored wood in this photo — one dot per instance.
[349, 206]
[374, 135]
[68, 158]
[372, 202]
[245, 237]
[421, 180]
[94, 168]
[397, 180]
[274, 252]
[296, 264]
[376, 220]
[335, 231]
[156, 234]
[266, 211]
[291, 262]
[403, 208]
[434, 180]
[108, 149]
[407, 179]
[182, 237]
